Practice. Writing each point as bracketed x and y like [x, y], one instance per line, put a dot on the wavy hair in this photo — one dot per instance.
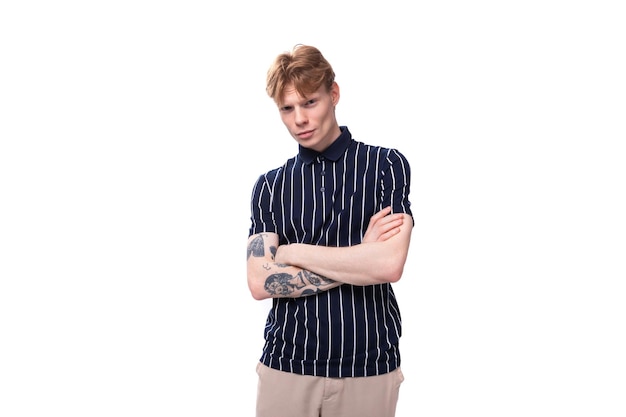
[305, 67]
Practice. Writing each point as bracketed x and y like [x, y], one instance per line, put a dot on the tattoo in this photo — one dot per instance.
[256, 247]
[282, 283]
[316, 279]
[286, 284]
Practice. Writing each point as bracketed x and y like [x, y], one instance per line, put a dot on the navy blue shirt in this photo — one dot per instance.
[328, 199]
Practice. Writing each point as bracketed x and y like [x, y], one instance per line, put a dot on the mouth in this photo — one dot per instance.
[305, 134]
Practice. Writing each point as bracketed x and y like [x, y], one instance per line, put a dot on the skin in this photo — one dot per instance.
[298, 270]
[311, 120]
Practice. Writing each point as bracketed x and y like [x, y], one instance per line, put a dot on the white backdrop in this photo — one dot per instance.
[131, 135]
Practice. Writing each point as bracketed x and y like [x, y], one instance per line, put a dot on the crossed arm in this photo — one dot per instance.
[298, 270]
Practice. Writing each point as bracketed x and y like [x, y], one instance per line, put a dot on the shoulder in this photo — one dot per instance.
[390, 155]
[271, 175]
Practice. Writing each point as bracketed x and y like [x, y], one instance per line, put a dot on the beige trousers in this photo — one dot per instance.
[283, 394]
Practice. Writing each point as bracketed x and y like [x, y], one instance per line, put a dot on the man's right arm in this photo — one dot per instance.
[268, 279]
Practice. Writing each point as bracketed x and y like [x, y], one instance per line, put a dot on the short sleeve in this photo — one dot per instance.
[261, 216]
[396, 183]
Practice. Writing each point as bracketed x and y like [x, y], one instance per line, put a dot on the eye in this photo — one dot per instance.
[285, 109]
[311, 102]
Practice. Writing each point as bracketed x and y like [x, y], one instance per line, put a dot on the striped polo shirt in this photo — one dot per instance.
[327, 199]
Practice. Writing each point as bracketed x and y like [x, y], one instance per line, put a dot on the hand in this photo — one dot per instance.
[383, 226]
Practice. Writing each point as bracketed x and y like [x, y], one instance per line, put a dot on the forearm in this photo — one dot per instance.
[363, 264]
[270, 279]
[356, 265]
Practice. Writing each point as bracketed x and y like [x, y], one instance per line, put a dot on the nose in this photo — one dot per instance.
[301, 117]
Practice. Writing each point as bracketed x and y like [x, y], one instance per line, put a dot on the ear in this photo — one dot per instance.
[334, 93]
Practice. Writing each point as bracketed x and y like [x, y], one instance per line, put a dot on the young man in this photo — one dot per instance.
[330, 232]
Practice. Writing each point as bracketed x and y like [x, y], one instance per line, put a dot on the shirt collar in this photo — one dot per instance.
[333, 152]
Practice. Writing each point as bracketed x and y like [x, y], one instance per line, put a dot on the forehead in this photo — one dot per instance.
[291, 95]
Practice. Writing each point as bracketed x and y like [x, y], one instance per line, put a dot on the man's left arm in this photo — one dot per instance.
[363, 264]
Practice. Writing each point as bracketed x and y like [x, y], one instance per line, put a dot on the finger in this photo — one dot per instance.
[381, 214]
[395, 218]
[389, 234]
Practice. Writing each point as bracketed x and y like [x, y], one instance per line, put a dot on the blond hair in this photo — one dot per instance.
[305, 67]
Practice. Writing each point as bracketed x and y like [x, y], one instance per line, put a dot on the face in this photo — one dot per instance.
[311, 120]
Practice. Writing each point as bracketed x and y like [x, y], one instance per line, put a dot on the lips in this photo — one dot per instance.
[305, 135]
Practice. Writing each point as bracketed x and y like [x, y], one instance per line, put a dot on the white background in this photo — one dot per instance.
[133, 131]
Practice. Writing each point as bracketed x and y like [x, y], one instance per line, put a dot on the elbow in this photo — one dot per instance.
[392, 258]
[258, 295]
[395, 274]
[385, 274]
[394, 269]
[257, 290]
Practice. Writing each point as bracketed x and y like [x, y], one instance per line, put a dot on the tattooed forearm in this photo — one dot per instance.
[284, 284]
[278, 279]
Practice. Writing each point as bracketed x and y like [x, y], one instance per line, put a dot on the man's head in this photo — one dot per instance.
[302, 84]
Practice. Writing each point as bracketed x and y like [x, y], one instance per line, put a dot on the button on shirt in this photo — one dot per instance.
[327, 199]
